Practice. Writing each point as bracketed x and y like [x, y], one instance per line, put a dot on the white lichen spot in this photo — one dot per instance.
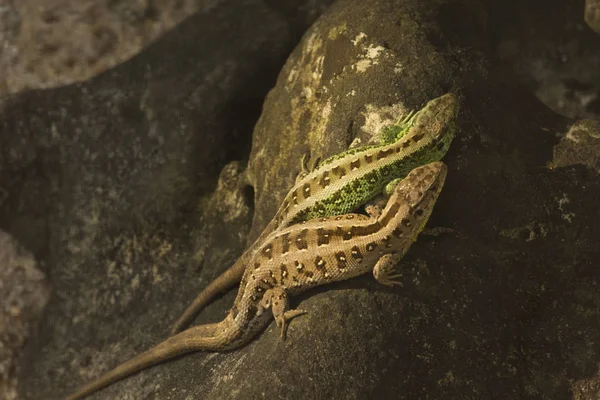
[374, 51]
[398, 68]
[318, 70]
[363, 65]
[564, 200]
[378, 117]
[572, 135]
[337, 31]
[307, 92]
[358, 38]
[293, 75]
[369, 58]
[310, 59]
[326, 112]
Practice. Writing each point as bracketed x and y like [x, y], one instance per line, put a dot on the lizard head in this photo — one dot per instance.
[433, 128]
[418, 192]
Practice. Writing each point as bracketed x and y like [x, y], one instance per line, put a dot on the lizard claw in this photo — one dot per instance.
[285, 318]
[384, 270]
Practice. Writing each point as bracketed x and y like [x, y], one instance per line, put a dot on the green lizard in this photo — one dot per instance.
[344, 182]
[299, 257]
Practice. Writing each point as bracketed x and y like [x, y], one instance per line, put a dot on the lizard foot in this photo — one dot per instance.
[277, 299]
[385, 268]
[375, 206]
[283, 319]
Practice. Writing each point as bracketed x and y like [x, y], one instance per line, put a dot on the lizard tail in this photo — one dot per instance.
[210, 337]
[225, 281]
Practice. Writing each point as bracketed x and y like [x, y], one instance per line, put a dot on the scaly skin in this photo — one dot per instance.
[348, 180]
[294, 259]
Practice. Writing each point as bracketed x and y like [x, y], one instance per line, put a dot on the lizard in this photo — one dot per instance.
[297, 258]
[350, 179]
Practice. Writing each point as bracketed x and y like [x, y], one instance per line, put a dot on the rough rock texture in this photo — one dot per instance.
[48, 43]
[110, 184]
[24, 293]
[552, 51]
[37, 46]
[592, 14]
[504, 304]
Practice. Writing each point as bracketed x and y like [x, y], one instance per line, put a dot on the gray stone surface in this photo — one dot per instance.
[504, 304]
[110, 184]
[48, 43]
[24, 292]
[551, 50]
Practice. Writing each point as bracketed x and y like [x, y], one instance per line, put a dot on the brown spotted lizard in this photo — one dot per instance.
[345, 181]
[296, 258]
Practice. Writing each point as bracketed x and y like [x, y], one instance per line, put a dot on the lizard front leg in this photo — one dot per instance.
[306, 169]
[375, 206]
[277, 299]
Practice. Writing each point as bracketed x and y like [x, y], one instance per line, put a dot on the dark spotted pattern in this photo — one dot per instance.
[301, 242]
[355, 164]
[416, 138]
[340, 256]
[320, 263]
[306, 190]
[285, 243]
[356, 254]
[325, 180]
[273, 278]
[323, 236]
[384, 153]
[339, 171]
[268, 251]
[347, 234]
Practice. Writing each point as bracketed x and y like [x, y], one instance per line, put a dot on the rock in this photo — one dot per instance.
[24, 292]
[501, 303]
[104, 182]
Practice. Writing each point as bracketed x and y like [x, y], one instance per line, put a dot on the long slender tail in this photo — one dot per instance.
[211, 337]
[225, 281]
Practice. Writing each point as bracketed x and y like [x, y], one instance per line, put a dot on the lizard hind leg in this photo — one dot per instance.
[385, 268]
[277, 299]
